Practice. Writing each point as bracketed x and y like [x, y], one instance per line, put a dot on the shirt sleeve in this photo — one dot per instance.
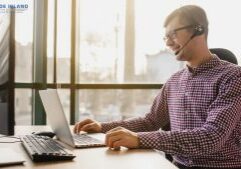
[149, 122]
[223, 115]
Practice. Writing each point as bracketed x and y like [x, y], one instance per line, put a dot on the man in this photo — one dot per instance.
[202, 103]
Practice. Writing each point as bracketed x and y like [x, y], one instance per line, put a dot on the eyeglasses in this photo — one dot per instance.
[173, 34]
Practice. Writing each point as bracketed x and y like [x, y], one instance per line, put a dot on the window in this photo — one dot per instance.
[23, 106]
[107, 56]
[24, 42]
[59, 25]
[100, 41]
[24, 63]
[106, 105]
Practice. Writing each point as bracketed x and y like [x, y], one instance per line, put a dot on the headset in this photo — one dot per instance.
[198, 30]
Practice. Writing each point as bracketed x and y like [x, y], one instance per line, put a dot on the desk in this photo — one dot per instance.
[93, 158]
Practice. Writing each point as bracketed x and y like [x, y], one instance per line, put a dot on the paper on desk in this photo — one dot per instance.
[9, 157]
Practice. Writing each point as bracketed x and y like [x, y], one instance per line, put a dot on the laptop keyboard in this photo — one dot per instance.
[84, 140]
[42, 148]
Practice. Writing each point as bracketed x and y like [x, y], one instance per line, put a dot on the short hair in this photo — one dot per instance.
[189, 15]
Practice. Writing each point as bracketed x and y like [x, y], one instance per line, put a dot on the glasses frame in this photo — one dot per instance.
[172, 34]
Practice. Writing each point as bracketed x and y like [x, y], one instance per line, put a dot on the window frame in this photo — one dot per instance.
[40, 62]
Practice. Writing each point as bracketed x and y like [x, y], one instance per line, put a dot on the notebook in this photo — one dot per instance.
[59, 124]
[9, 157]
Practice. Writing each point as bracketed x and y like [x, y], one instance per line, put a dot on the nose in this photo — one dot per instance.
[169, 42]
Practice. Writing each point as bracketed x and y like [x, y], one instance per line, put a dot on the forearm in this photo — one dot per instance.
[135, 124]
[208, 139]
[185, 143]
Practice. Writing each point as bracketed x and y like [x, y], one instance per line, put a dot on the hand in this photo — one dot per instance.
[88, 125]
[120, 136]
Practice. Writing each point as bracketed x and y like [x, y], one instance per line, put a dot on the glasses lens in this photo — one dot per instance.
[171, 35]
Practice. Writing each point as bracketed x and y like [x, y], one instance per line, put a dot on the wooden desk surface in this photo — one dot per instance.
[93, 158]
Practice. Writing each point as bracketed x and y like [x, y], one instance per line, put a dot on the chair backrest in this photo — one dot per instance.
[224, 54]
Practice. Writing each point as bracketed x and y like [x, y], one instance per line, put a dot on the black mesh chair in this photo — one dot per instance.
[224, 54]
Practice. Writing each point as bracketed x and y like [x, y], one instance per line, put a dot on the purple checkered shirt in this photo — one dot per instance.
[204, 108]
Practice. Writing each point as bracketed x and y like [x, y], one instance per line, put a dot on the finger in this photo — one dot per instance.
[117, 144]
[112, 134]
[111, 139]
[76, 127]
[88, 127]
[81, 124]
[115, 149]
[115, 129]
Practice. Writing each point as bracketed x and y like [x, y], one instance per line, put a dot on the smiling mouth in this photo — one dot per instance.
[177, 48]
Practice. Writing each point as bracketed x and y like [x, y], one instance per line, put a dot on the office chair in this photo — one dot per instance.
[223, 54]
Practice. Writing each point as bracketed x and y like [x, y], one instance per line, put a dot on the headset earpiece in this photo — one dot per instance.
[198, 30]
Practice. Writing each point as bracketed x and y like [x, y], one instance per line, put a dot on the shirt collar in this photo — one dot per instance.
[205, 66]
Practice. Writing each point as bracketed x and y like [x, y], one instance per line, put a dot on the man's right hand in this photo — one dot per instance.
[88, 125]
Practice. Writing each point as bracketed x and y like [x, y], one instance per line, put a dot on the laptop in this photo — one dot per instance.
[59, 124]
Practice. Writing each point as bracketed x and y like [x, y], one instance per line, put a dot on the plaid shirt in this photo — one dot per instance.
[204, 108]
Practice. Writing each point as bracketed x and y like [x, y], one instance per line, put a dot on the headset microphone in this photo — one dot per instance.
[177, 52]
[198, 30]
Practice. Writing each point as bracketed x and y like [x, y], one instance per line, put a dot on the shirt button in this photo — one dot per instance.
[186, 94]
[186, 112]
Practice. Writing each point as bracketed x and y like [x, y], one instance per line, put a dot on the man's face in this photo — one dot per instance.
[176, 37]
